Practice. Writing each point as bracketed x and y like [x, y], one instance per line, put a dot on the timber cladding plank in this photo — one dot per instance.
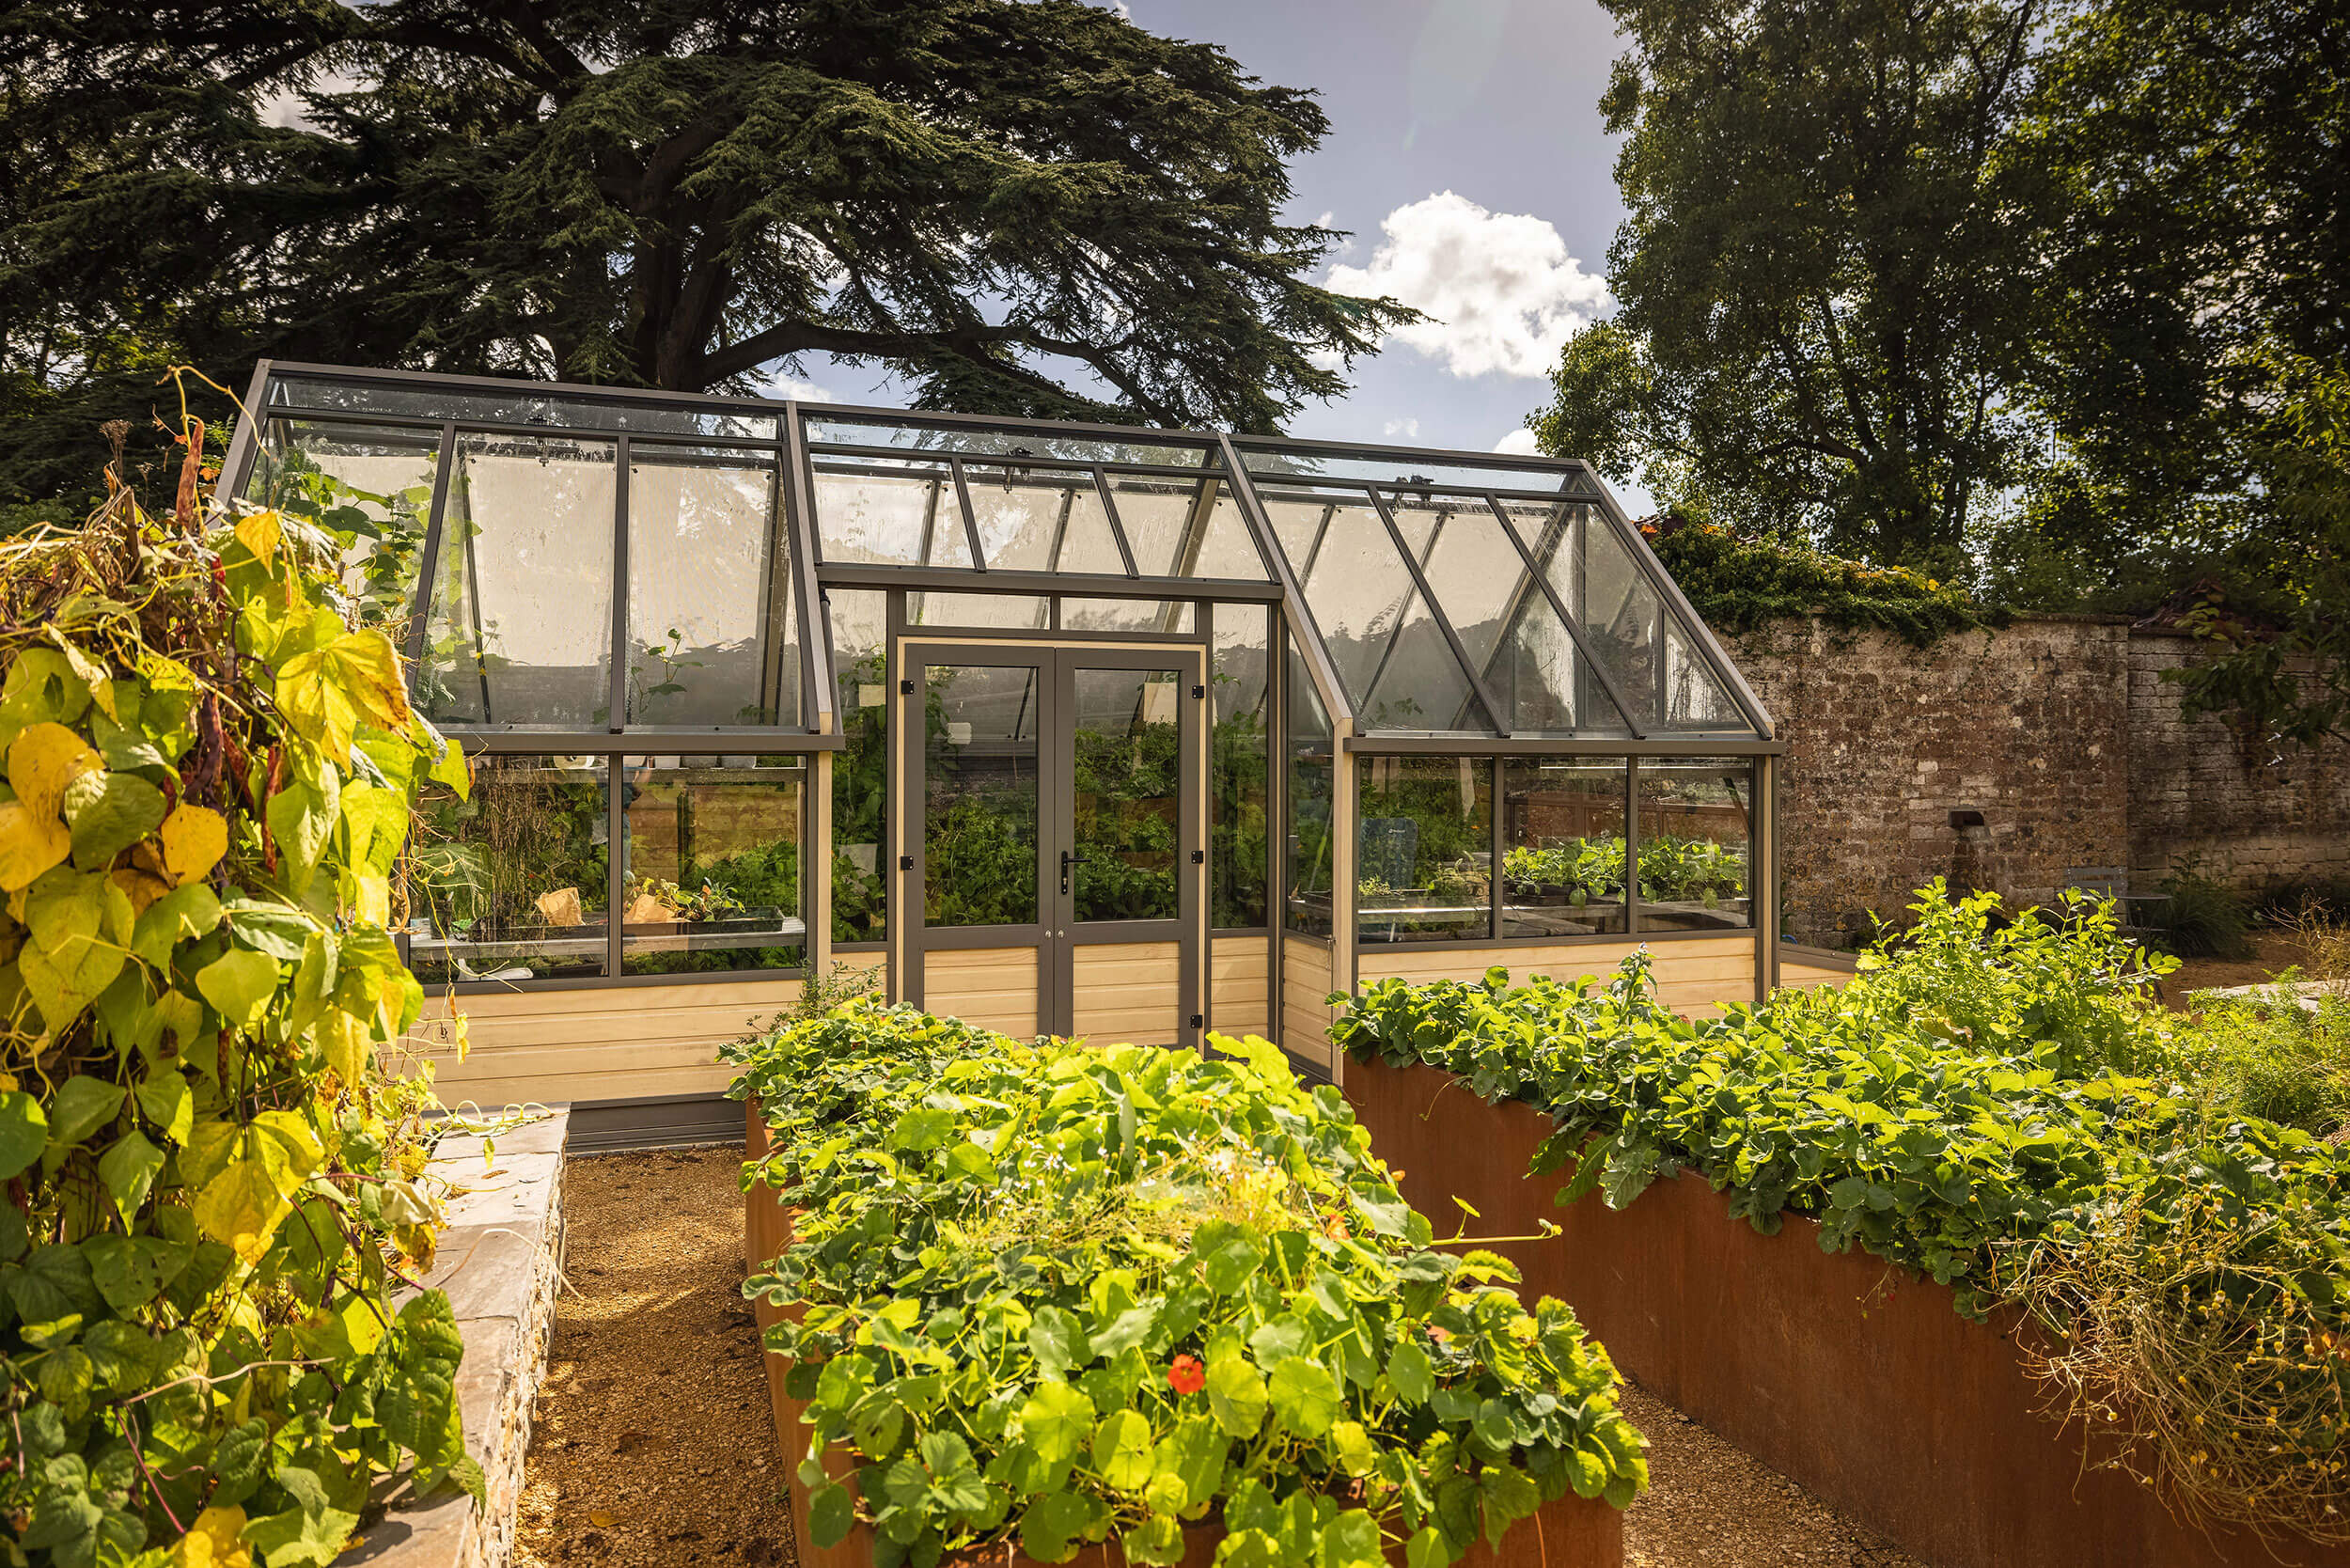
[990, 988]
[1305, 984]
[1694, 977]
[1128, 992]
[1855, 1379]
[1240, 985]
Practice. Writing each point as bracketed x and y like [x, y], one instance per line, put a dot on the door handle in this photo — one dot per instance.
[1067, 860]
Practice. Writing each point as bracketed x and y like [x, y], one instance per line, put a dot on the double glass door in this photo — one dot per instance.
[1054, 874]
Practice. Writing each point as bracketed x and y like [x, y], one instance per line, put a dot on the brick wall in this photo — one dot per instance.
[2265, 820]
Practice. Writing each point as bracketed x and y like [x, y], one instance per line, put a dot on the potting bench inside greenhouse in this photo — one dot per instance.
[1088, 729]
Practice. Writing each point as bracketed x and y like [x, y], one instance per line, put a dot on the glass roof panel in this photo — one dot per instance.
[1033, 520]
[1405, 466]
[914, 435]
[884, 514]
[1357, 586]
[526, 403]
[1174, 532]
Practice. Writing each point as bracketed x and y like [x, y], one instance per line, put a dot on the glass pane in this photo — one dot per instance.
[710, 630]
[1694, 827]
[1562, 847]
[1357, 588]
[1621, 612]
[1126, 614]
[528, 403]
[373, 489]
[521, 628]
[871, 514]
[1695, 698]
[1127, 746]
[1042, 519]
[511, 883]
[860, 770]
[1403, 464]
[1425, 851]
[1174, 533]
[912, 434]
[993, 611]
[1236, 857]
[980, 801]
[1547, 658]
[1309, 867]
[710, 875]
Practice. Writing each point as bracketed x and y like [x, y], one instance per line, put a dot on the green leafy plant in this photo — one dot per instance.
[2202, 917]
[1051, 1294]
[213, 1183]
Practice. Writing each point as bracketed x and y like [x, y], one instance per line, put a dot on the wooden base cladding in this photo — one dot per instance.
[1855, 1379]
[991, 988]
[1128, 993]
[608, 1043]
[1304, 1013]
[1798, 970]
[1569, 1532]
[1239, 976]
[1692, 976]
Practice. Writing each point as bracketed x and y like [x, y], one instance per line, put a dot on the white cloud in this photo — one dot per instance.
[1407, 428]
[793, 389]
[1518, 442]
[1500, 289]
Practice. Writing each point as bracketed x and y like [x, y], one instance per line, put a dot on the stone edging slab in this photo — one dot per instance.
[500, 1260]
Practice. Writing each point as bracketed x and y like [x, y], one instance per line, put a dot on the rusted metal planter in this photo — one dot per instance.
[1857, 1380]
[1567, 1533]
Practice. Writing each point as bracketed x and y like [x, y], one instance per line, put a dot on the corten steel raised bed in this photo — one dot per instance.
[1857, 1380]
[1570, 1532]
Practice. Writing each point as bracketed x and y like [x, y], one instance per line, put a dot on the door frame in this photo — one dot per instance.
[1055, 934]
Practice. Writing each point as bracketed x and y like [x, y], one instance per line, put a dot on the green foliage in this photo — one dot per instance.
[1997, 1109]
[680, 196]
[213, 1183]
[2205, 918]
[1672, 868]
[1054, 1293]
[1741, 582]
[2269, 1057]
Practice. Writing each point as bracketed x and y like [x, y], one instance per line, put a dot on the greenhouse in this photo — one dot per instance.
[1058, 728]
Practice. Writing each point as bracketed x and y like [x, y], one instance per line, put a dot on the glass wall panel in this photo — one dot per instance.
[1312, 771]
[984, 611]
[1621, 612]
[980, 781]
[1562, 846]
[1423, 869]
[372, 488]
[1236, 857]
[710, 875]
[1126, 738]
[520, 633]
[1042, 519]
[1696, 834]
[1126, 614]
[710, 612]
[1695, 698]
[526, 405]
[511, 883]
[860, 770]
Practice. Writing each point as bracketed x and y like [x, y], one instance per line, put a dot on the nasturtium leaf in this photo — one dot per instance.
[128, 1168]
[1056, 1340]
[43, 760]
[1121, 1449]
[82, 1106]
[1129, 1329]
[109, 812]
[1158, 1540]
[1236, 1396]
[1352, 1445]
[1427, 1549]
[921, 1127]
[1192, 1455]
[1056, 1420]
[238, 984]
[1410, 1372]
[24, 1132]
[1305, 1396]
[194, 839]
[1056, 1524]
[1229, 1265]
[1349, 1541]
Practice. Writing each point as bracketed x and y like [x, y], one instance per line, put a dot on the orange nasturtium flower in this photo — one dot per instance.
[1187, 1377]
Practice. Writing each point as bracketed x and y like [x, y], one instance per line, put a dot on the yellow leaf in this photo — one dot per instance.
[43, 761]
[243, 1205]
[603, 1520]
[259, 531]
[373, 897]
[345, 1039]
[92, 673]
[141, 887]
[325, 693]
[194, 839]
[29, 844]
[212, 1542]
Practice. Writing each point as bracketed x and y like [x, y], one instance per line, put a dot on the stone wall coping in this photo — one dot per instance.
[499, 1259]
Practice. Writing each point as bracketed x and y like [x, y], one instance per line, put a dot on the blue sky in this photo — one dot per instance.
[1466, 154]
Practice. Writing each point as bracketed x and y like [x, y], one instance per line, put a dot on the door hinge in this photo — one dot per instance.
[906, 862]
[905, 687]
[1198, 1020]
[1198, 857]
[1199, 691]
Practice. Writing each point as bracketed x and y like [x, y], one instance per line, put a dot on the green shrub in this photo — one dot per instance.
[2204, 916]
[213, 1183]
[1739, 582]
[1959, 1109]
[1055, 1293]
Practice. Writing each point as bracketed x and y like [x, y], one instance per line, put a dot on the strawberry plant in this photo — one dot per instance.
[1054, 1293]
[214, 1185]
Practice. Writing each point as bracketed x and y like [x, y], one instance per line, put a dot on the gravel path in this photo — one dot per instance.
[653, 1444]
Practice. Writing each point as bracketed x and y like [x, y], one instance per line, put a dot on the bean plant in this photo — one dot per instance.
[1050, 1293]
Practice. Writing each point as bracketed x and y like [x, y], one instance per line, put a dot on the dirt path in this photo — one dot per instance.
[653, 1443]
